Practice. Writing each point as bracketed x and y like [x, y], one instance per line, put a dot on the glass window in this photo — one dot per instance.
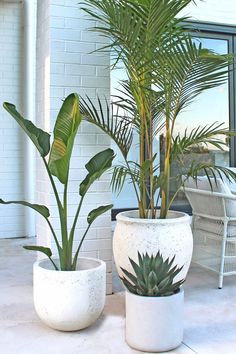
[211, 106]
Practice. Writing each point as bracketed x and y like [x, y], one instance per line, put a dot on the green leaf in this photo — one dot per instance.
[152, 280]
[44, 250]
[128, 285]
[65, 130]
[40, 138]
[129, 275]
[95, 213]
[137, 269]
[154, 276]
[99, 164]
[108, 120]
[41, 209]
[199, 137]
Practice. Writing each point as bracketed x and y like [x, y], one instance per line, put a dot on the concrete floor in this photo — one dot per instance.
[210, 315]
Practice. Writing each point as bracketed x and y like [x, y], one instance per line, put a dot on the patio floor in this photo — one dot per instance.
[210, 314]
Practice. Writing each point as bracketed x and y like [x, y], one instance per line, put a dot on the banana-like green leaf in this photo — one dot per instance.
[41, 209]
[40, 138]
[95, 213]
[47, 251]
[44, 250]
[65, 130]
[99, 164]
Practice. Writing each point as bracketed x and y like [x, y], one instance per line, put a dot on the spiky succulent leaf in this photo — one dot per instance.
[152, 276]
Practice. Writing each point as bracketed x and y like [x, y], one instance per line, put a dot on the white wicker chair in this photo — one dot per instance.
[214, 225]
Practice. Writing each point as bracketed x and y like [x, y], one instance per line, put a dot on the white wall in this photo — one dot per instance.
[217, 11]
[64, 65]
[12, 218]
[42, 111]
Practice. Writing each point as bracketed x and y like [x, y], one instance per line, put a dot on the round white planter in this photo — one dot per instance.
[171, 236]
[70, 301]
[154, 324]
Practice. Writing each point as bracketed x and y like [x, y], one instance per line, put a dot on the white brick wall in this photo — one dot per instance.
[73, 69]
[42, 111]
[12, 218]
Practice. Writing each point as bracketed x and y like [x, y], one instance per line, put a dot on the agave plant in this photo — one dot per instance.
[58, 165]
[166, 71]
[152, 276]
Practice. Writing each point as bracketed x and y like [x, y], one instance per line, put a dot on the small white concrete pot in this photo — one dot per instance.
[154, 324]
[171, 236]
[70, 300]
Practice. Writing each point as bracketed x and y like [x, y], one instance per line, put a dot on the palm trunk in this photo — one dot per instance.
[142, 206]
[166, 187]
[152, 202]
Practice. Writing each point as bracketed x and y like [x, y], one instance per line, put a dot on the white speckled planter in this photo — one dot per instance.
[70, 301]
[171, 236]
[154, 324]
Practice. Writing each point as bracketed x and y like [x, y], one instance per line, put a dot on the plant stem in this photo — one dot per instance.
[55, 266]
[78, 249]
[133, 181]
[177, 191]
[72, 231]
[166, 187]
[54, 236]
[142, 206]
[62, 217]
[151, 176]
[68, 251]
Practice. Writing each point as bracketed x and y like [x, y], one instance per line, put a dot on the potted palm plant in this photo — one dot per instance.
[154, 304]
[166, 71]
[69, 292]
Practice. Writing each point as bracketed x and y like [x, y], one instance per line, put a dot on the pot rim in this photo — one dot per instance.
[181, 217]
[155, 298]
[101, 264]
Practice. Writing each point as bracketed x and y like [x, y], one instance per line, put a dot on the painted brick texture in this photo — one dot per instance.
[72, 69]
[11, 139]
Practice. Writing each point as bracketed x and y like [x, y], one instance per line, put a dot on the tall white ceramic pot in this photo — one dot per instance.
[70, 300]
[154, 324]
[171, 236]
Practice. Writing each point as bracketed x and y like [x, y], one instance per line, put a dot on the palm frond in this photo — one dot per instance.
[210, 171]
[136, 28]
[187, 70]
[120, 175]
[126, 100]
[207, 135]
[120, 130]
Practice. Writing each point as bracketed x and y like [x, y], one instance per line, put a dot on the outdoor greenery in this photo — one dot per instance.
[152, 276]
[58, 165]
[166, 70]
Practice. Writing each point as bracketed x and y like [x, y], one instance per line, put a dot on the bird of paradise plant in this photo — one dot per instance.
[166, 70]
[58, 165]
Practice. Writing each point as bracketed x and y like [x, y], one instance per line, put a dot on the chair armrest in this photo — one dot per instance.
[209, 204]
[209, 193]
